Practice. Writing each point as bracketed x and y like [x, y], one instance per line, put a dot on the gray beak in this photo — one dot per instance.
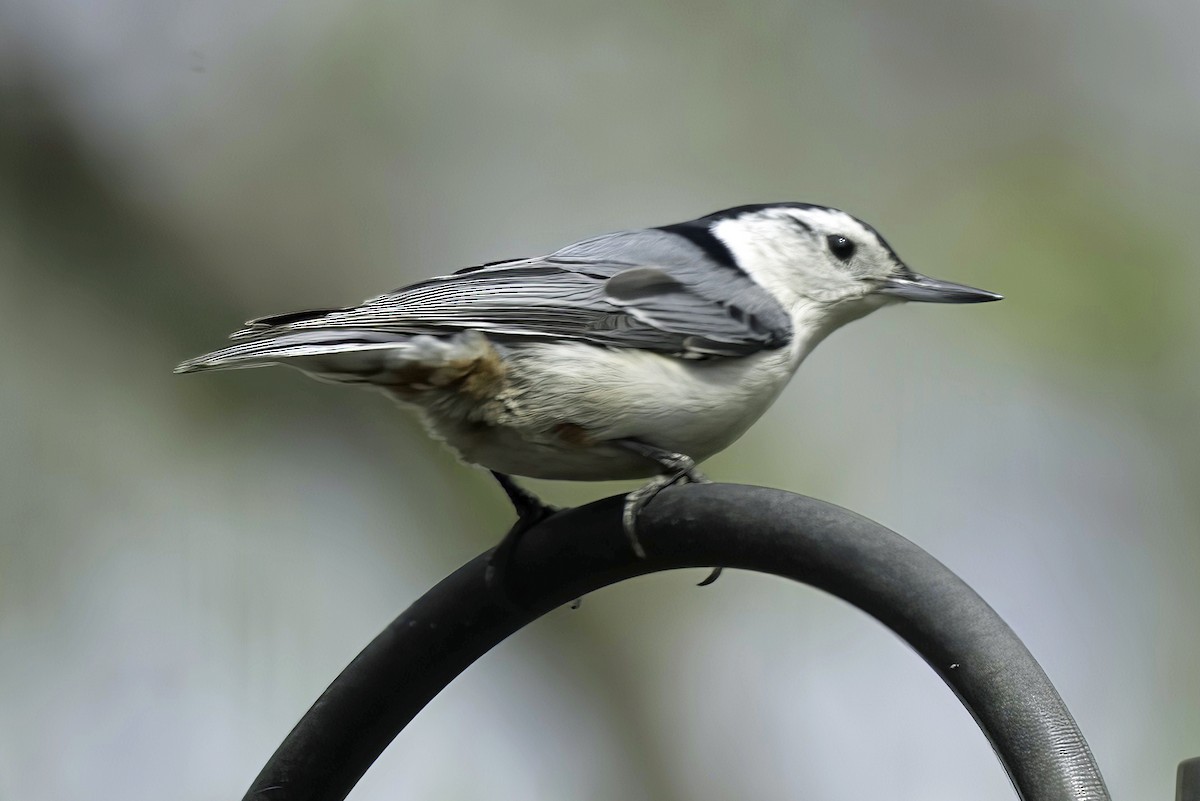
[923, 289]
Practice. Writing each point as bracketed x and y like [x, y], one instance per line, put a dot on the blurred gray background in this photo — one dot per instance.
[185, 563]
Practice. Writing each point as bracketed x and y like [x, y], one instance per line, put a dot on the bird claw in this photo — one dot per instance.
[530, 512]
[682, 471]
[637, 500]
[677, 468]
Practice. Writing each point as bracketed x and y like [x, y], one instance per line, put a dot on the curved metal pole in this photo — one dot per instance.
[583, 549]
[1187, 780]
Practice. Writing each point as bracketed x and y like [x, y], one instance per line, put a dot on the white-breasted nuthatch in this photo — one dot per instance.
[632, 354]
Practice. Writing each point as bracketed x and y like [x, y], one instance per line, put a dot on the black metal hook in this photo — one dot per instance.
[752, 528]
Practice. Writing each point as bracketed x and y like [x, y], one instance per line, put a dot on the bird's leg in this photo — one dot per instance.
[530, 512]
[676, 468]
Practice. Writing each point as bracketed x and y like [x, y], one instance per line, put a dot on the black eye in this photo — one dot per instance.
[840, 246]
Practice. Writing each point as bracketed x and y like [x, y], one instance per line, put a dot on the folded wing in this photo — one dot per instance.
[678, 307]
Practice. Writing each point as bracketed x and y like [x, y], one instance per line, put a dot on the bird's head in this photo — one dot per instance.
[825, 262]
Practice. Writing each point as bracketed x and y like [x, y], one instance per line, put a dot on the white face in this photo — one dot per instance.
[828, 268]
[812, 256]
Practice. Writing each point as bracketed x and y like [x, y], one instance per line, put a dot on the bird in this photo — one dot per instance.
[630, 355]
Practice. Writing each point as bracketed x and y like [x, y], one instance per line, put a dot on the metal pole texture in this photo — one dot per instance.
[751, 528]
[1187, 780]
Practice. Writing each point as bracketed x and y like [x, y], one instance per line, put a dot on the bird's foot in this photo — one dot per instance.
[635, 502]
[530, 512]
[677, 468]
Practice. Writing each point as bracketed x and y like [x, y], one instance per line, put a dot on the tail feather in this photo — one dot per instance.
[406, 364]
[317, 351]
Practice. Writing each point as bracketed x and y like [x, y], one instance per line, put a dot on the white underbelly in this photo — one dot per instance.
[564, 403]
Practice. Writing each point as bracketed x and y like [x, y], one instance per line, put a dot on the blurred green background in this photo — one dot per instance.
[185, 563]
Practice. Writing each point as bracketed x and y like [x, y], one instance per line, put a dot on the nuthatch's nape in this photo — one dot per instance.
[629, 355]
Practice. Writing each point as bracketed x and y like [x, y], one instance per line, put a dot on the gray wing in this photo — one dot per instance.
[649, 290]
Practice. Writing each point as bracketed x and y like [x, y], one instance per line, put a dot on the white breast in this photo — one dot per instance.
[564, 400]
